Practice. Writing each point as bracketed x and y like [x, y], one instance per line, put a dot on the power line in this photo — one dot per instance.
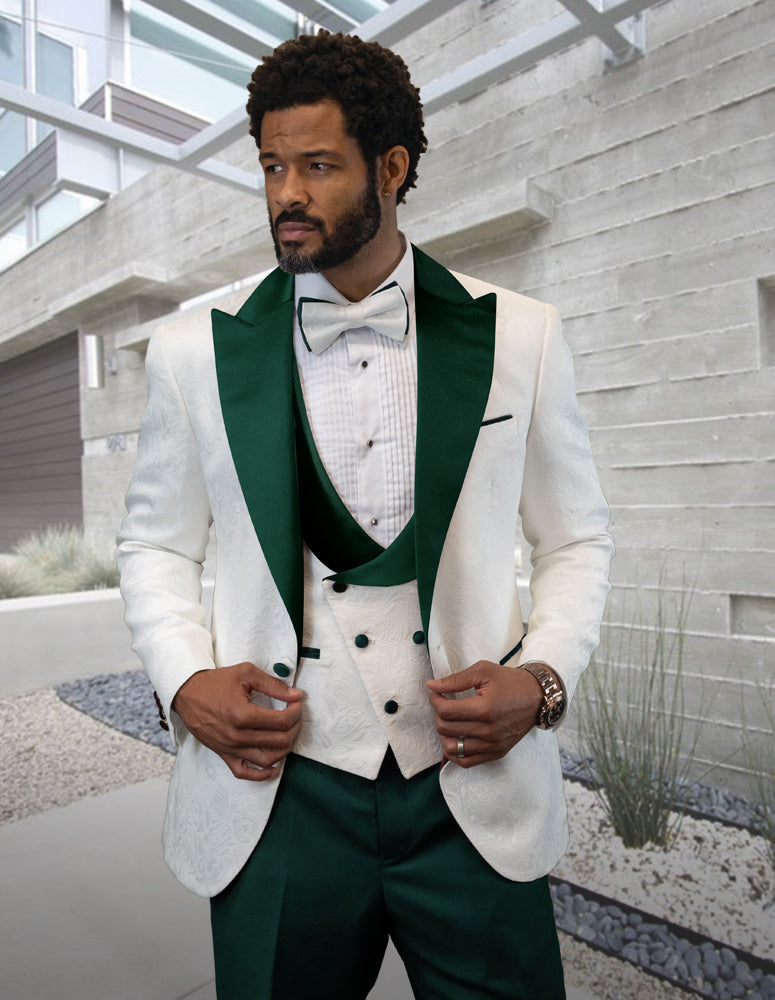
[121, 41]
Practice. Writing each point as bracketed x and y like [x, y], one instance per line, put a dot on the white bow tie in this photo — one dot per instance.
[384, 311]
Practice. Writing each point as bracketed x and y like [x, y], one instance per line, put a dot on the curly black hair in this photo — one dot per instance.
[371, 84]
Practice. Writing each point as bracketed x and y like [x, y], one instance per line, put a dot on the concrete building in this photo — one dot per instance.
[621, 168]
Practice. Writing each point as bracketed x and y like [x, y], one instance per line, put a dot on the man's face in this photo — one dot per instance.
[321, 194]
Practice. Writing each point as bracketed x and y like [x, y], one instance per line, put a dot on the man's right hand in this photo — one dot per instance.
[215, 707]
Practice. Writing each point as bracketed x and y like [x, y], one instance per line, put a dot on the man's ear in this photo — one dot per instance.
[392, 168]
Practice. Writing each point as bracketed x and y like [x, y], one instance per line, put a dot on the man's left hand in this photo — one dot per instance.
[504, 707]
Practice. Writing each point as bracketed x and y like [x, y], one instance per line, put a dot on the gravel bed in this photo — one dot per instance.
[704, 967]
[606, 977]
[123, 701]
[51, 755]
[697, 799]
[714, 882]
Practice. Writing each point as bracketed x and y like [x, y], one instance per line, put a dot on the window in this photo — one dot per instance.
[60, 210]
[13, 243]
[55, 75]
[182, 66]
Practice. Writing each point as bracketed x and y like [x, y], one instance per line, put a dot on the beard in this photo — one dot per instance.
[353, 229]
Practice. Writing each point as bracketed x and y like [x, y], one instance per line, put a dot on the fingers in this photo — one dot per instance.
[501, 712]
[247, 717]
[475, 751]
[472, 747]
[216, 707]
[473, 709]
[471, 677]
[256, 679]
[246, 771]
[247, 750]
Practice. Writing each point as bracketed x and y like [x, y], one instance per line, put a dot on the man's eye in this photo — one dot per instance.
[318, 167]
[272, 168]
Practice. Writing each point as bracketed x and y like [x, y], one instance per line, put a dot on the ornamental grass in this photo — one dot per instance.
[56, 560]
[632, 726]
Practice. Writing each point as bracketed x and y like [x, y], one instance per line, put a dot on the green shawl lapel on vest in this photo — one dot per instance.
[254, 358]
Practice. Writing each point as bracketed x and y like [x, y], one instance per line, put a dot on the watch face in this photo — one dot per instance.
[555, 712]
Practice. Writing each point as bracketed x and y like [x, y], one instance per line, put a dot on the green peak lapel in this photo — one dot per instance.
[455, 356]
[254, 366]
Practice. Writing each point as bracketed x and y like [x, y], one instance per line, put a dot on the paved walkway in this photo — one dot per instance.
[89, 911]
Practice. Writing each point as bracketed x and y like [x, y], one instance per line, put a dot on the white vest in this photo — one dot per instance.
[367, 688]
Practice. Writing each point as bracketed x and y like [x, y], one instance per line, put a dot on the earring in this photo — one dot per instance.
[385, 194]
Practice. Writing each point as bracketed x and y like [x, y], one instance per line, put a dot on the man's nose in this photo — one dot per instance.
[293, 191]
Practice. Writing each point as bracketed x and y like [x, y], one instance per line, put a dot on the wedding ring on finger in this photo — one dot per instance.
[461, 746]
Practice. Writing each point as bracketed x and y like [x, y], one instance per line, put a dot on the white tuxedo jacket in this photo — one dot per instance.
[499, 433]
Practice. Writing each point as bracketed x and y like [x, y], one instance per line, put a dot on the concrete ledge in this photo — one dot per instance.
[483, 217]
[62, 637]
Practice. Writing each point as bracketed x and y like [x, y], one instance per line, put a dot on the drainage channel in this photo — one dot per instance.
[677, 955]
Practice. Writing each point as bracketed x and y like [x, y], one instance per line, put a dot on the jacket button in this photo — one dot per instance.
[339, 586]
[281, 669]
[418, 638]
[361, 641]
[391, 707]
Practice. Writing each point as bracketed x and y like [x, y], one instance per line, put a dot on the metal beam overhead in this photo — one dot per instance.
[213, 138]
[190, 49]
[581, 19]
[523, 52]
[598, 24]
[402, 18]
[219, 24]
[517, 54]
[63, 115]
[341, 16]
[311, 10]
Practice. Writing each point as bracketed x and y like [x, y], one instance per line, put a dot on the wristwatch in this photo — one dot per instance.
[555, 698]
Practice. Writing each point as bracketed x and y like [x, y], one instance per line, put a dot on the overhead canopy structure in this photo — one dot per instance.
[253, 28]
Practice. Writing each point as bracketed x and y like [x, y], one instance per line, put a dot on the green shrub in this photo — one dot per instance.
[51, 550]
[60, 559]
[631, 723]
[17, 579]
[94, 568]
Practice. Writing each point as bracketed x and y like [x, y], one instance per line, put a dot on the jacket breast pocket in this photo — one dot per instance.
[490, 421]
[497, 429]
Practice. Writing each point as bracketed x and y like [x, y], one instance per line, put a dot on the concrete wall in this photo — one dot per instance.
[639, 201]
[660, 255]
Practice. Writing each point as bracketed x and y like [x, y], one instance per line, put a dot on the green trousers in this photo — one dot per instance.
[344, 863]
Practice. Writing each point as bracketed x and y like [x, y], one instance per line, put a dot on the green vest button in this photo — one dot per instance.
[391, 707]
[281, 669]
[361, 641]
[418, 638]
[339, 586]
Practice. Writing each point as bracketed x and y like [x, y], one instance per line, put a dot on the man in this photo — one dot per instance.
[364, 463]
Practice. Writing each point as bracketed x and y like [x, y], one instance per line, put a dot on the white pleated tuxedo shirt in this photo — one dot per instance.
[361, 400]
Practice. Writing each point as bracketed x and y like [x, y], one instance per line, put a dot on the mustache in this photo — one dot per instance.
[297, 215]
